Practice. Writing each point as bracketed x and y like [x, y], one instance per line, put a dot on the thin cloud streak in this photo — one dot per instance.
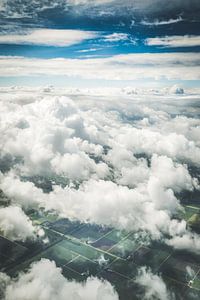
[174, 41]
[48, 37]
[164, 22]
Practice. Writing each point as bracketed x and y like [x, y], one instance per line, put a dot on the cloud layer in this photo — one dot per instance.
[48, 37]
[181, 66]
[174, 41]
[108, 8]
[136, 170]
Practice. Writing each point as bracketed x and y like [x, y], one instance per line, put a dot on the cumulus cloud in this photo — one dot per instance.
[64, 148]
[44, 281]
[149, 209]
[95, 145]
[174, 41]
[175, 176]
[155, 287]
[25, 194]
[175, 89]
[149, 141]
[48, 37]
[185, 241]
[15, 225]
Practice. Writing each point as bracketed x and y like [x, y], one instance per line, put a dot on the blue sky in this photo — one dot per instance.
[38, 32]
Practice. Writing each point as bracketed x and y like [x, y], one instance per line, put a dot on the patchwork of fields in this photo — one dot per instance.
[84, 250]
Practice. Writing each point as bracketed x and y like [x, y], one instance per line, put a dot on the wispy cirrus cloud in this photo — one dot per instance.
[116, 37]
[11, 9]
[89, 50]
[174, 41]
[161, 22]
[48, 37]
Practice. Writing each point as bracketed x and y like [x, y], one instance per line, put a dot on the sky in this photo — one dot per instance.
[79, 43]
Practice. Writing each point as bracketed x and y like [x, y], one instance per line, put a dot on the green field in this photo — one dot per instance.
[83, 250]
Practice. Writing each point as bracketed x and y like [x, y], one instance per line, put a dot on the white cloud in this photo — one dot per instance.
[128, 170]
[174, 41]
[89, 50]
[155, 287]
[116, 37]
[144, 208]
[98, 8]
[58, 138]
[44, 281]
[121, 67]
[163, 22]
[92, 2]
[191, 273]
[175, 89]
[149, 141]
[15, 225]
[22, 193]
[186, 241]
[62, 148]
[71, 129]
[76, 166]
[175, 175]
[48, 37]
